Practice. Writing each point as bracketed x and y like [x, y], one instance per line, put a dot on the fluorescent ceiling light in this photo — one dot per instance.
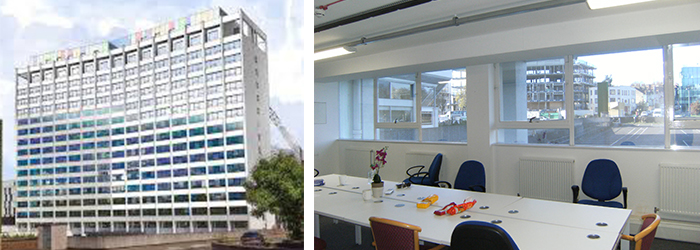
[599, 4]
[333, 53]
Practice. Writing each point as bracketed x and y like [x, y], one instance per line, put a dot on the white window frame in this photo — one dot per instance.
[415, 124]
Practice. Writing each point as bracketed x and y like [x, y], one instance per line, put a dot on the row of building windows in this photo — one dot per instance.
[137, 212]
[164, 135]
[90, 123]
[161, 161]
[91, 168]
[162, 186]
[162, 199]
[131, 58]
[145, 88]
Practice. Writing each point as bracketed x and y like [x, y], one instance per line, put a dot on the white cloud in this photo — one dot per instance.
[28, 12]
[104, 26]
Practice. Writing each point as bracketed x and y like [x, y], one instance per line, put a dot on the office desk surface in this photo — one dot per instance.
[350, 207]
[538, 224]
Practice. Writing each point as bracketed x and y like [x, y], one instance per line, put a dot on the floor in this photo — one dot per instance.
[340, 235]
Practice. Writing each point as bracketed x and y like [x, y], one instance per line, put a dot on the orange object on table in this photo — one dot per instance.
[454, 208]
[425, 203]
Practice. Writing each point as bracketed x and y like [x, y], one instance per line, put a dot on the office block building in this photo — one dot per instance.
[154, 132]
[545, 85]
[8, 202]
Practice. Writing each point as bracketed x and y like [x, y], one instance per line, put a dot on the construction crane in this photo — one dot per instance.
[291, 141]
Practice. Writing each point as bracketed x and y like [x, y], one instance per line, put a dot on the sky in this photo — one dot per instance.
[32, 27]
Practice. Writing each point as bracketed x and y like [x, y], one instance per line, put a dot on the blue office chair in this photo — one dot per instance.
[481, 235]
[471, 176]
[601, 181]
[429, 178]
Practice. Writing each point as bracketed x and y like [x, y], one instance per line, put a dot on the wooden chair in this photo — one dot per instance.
[642, 240]
[391, 234]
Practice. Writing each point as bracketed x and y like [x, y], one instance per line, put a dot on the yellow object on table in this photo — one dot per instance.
[425, 203]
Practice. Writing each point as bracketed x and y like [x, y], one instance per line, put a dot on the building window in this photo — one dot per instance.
[212, 34]
[195, 39]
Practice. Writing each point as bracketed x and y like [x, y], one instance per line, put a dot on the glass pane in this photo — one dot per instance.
[685, 138]
[356, 108]
[443, 105]
[534, 136]
[686, 78]
[396, 96]
[626, 103]
[534, 90]
[397, 134]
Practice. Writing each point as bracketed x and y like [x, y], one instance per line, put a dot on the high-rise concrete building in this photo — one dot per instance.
[545, 85]
[8, 202]
[154, 132]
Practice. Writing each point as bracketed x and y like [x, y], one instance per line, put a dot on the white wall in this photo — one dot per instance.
[325, 135]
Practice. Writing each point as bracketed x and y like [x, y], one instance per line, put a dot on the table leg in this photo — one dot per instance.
[317, 227]
[625, 245]
[358, 235]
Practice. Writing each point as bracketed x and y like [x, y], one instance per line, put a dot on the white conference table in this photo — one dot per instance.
[538, 224]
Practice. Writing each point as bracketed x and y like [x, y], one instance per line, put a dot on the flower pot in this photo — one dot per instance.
[377, 189]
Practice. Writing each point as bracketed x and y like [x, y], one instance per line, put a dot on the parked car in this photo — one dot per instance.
[252, 238]
[658, 113]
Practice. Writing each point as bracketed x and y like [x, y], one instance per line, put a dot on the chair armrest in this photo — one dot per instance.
[316, 172]
[481, 188]
[624, 196]
[419, 170]
[443, 182]
[627, 237]
[575, 190]
[424, 174]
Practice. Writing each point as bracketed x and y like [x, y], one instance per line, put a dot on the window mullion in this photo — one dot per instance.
[569, 96]
[417, 103]
[668, 94]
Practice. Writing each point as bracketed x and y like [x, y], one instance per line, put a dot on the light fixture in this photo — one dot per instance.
[600, 4]
[333, 52]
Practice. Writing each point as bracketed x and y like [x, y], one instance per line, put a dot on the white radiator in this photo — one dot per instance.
[679, 192]
[548, 179]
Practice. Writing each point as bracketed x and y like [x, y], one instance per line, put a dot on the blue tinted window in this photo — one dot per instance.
[197, 158]
[215, 156]
[219, 169]
[74, 191]
[148, 163]
[88, 179]
[62, 148]
[47, 160]
[74, 180]
[75, 125]
[88, 145]
[147, 126]
[179, 159]
[132, 175]
[197, 144]
[198, 171]
[61, 127]
[196, 118]
[233, 196]
[116, 120]
[23, 121]
[21, 173]
[47, 139]
[47, 150]
[61, 170]
[148, 187]
[74, 136]
[118, 154]
[22, 131]
[89, 134]
[103, 190]
[215, 129]
[22, 142]
[217, 142]
[179, 146]
[217, 183]
[133, 188]
[164, 136]
[180, 172]
[118, 142]
[132, 129]
[231, 140]
[118, 165]
[34, 161]
[147, 151]
[35, 151]
[36, 130]
[164, 186]
[117, 131]
[163, 148]
[132, 140]
[164, 173]
[146, 138]
[103, 144]
[35, 141]
[163, 161]
[88, 124]
[133, 152]
[103, 133]
[163, 124]
[89, 168]
[74, 169]
[22, 152]
[61, 138]
[47, 129]
[74, 158]
[133, 164]
[148, 175]
[196, 131]
[61, 159]
[179, 134]
[86, 157]
[235, 154]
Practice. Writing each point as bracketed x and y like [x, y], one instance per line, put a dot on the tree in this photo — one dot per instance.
[276, 186]
[461, 99]
[695, 108]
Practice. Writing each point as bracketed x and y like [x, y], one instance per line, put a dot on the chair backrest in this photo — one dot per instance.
[481, 235]
[602, 180]
[391, 234]
[651, 222]
[434, 171]
[470, 173]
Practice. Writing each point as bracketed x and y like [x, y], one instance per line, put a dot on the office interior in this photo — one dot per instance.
[487, 51]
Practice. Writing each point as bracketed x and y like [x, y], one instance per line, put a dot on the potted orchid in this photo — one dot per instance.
[377, 161]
